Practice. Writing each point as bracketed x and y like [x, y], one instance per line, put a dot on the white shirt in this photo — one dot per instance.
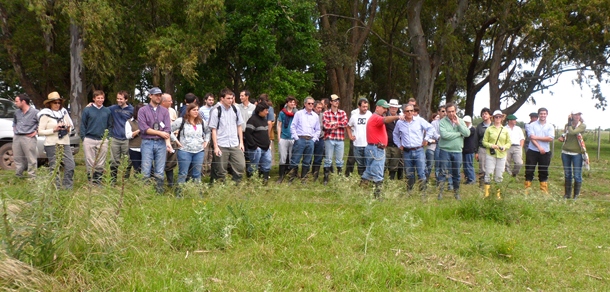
[357, 122]
[516, 135]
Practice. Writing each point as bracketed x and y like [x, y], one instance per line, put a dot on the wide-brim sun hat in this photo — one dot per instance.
[53, 96]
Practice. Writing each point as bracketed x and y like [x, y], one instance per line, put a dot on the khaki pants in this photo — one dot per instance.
[118, 149]
[25, 155]
[95, 154]
[514, 157]
[230, 156]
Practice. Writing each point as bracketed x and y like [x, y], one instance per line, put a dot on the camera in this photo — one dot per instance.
[492, 151]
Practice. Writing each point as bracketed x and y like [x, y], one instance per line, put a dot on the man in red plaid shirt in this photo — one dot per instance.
[334, 123]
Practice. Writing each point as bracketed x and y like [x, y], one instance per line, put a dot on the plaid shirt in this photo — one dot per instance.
[340, 119]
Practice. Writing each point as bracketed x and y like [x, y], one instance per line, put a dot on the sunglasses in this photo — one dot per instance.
[442, 111]
[497, 117]
[56, 102]
[309, 103]
[409, 111]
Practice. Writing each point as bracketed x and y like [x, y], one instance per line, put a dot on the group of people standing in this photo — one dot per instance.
[236, 138]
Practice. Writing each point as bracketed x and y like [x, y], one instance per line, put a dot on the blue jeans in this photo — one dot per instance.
[259, 159]
[452, 162]
[375, 163]
[429, 162]
[572, 167]
[189, 163]
[302, 149]
[360, 156]
[153, 151]
[415, 160]
[335, 147]
[318, 152]
[468, 160]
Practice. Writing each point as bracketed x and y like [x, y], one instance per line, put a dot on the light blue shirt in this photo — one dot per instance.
[411, 134]
[226, 128]
[305, 124]
[537, 129]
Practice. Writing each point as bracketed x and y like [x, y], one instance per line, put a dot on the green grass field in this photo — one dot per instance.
[304, 237]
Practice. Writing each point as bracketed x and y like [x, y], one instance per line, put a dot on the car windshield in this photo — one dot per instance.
[7, 109]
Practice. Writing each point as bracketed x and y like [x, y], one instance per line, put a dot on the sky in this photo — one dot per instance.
[560, 103]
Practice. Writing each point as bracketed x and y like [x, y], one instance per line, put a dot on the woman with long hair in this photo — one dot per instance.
[193, 135]
[55, 124]
[132, 132]
[571, 153]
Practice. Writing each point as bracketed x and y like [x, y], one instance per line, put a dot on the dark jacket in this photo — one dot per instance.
[471, 142]
[480, 132]
[257, 133]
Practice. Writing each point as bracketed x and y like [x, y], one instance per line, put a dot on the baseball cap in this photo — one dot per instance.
[497, 113]
[576, 112]
[533, 115]
[155, 90]
[382, 103]
[334, 97]
[511, 117]
[467, 119]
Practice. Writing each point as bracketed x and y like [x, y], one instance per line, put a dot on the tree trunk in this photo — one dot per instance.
[494, 74]
[77, 76]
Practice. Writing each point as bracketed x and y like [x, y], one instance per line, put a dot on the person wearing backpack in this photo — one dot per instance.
[192, 137]
[227, 136]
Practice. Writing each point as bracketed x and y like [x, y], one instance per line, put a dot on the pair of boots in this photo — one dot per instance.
[292, 174]
[396, 174]
[282, 172]
[328, 171]
[568, 189]
[544, 187]
[456, 191]
[488, 187]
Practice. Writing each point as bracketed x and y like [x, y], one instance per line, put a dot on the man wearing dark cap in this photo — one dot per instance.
[377, 139]
[514, 158]
[155, 126]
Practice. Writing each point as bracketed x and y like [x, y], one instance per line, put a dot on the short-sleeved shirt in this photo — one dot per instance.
[375, 130]
[226, 127]
[516, 135]
[541, 130]
[357, 123]
[25, 123]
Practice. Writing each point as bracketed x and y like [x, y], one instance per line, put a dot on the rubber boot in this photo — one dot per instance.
[169, 174]
[456, 194]
[265, 178]
[399, 173]
[326, 175]
[410, 183]
[392, 174]
[487, 187]
[292, 174]
[481, 180]
[304, 175]
[577, 186]
[528, 185]
[159, 185]
[113, 173]
[315, 172]
[97, 178]
[441, 186]
[498, 194]
[544, 187]
[339, 170]
[377, 191]
[282, 173]
[567, 187]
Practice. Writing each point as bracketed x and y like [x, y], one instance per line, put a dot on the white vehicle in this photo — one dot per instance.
[7, 112]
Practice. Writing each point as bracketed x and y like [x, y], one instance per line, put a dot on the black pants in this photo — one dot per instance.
[533, 158]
